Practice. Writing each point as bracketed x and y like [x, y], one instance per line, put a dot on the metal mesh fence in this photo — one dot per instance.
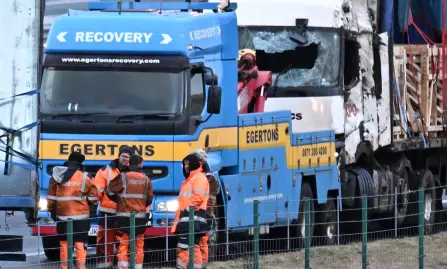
[413, 236]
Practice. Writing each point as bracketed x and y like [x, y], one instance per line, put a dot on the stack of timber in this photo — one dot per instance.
[418, 71]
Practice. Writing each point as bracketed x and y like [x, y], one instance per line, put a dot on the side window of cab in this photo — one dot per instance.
[197, 94]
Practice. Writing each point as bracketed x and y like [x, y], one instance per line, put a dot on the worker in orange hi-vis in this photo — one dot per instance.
[72, 195]
[132, 191]
[193, 192]
[214, 188]
[107, 207]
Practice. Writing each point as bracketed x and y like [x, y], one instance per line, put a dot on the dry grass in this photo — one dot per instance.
[383, 254]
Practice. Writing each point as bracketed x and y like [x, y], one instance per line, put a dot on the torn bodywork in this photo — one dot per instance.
[336, 66]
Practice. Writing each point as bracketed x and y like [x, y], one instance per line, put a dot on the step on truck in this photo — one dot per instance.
[165, 79]
[336, 66]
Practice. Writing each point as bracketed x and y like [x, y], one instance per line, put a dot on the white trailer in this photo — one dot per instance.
[21, 30]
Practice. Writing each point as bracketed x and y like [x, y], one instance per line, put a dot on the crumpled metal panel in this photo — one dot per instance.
[19, 58]
[383, 104]
[366, 118]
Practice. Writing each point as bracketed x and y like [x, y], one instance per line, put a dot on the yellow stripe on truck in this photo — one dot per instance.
[219, 138]
[252, 137]
[277, 135]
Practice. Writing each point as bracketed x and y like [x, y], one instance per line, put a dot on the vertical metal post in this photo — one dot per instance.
[364, 232]
[191, 238]
[105, 237]
[421, 227]
[38, 242]
[256, 233]
[395, 212]
[338, 220]
[167, 237]
[288, 227]
[70, 243]
[307, 233]
[132, 241]
[227, 235]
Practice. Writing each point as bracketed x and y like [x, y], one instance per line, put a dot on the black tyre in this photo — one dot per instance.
[327, 222]
[403, 197]
[300, 229]
[51, 247]
[428, 183]
[425, 179]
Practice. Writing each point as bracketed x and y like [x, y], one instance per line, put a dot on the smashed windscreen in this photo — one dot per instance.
[313, 61]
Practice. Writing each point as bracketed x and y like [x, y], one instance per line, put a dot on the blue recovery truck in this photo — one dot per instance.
[163, 77]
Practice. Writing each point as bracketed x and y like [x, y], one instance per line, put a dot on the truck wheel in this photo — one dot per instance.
[306, 191]
[327, 222]
[425, 179]
[51, 247]
[428, 183]
[402, 197]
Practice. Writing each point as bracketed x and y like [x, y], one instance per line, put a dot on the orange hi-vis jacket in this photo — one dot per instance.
[194, 192]
[70, 198]
[102, 180]
[135, 193]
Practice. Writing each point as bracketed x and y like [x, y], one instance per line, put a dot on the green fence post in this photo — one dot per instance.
[256, 233]
[421, 227]
[364, 232]
[132, 240]
[191, 238]
[70, 243]
[307, 233]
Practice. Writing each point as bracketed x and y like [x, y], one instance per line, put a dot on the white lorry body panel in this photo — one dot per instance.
[19, 58]
[358, 115]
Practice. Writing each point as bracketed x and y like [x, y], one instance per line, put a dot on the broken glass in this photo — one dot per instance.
[302, 69]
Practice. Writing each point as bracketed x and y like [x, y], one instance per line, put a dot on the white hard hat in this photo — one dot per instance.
[202, 154]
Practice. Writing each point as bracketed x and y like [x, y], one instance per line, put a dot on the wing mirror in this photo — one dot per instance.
[214, 100]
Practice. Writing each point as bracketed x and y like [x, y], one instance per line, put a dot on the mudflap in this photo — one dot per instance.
[12, 251]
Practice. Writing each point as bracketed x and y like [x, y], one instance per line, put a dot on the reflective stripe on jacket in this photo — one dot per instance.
[133, 197]
[102, 180]
[194, 192]
[71, 199]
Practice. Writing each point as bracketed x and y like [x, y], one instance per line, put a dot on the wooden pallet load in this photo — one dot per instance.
[419, 83]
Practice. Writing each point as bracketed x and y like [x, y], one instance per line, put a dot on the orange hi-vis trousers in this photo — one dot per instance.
[123, 257]
[104, 247]
[183, 258]
[81, 255]
[204, 249]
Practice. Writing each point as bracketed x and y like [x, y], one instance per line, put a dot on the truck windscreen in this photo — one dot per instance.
[112, 91]
[113, 84]
[297, 59]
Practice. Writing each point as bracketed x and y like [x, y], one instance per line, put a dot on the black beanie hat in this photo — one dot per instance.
[126, 149]
[135, 160]
[76, 157]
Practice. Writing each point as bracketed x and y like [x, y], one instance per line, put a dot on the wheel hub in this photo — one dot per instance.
[330, 231]
[428, 202]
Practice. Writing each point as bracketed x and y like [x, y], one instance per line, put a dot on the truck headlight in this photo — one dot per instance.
[169, 206]
[43, 204]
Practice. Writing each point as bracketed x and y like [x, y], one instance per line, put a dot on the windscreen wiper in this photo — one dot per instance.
[146, 116]
[78, 114]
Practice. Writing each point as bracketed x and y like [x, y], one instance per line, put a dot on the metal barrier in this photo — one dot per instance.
[361, 240]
